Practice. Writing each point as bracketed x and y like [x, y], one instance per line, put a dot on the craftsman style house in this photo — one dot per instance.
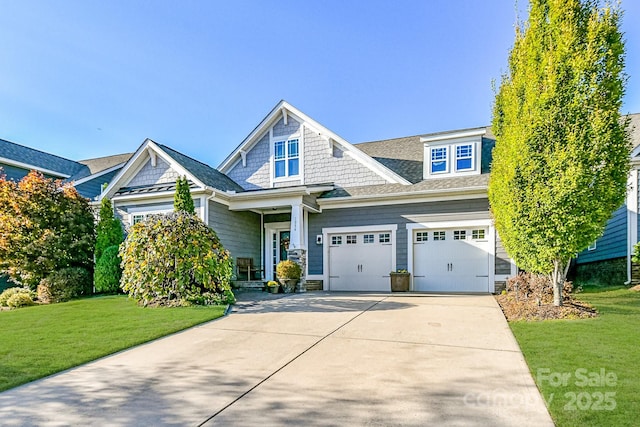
[350, 214]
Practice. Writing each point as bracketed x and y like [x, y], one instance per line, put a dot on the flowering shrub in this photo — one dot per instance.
[9, 293]
[175, 259]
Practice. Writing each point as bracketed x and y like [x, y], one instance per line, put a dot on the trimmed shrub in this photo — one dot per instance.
[175, 259]
[65, 284]
[20, 299]
[9, 293]
[288, 270]
[106, 277]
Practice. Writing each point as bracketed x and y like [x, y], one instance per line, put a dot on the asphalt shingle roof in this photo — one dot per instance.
[208, 175]
[439, 184]
[20, 153]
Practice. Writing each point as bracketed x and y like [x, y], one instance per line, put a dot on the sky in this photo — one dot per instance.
[91, 78]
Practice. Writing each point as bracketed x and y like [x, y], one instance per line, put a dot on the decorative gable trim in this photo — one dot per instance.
[285, 110]
[149, 150]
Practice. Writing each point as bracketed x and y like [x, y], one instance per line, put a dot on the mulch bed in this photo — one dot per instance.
[530, 310]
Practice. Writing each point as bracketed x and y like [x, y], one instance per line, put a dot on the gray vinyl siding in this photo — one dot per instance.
[92, 188]
[503, 261]
[239, 232]
[613, 243]
[390, 214]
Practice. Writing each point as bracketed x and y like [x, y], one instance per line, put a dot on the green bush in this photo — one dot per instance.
[175, 259]
[20, 299]
[108, 229]
[106, 277]
[65, 284]
[288, 270]
[8, 293]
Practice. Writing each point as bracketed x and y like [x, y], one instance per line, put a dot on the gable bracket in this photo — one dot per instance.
[153, 156]
[285, 116]
[243, 154]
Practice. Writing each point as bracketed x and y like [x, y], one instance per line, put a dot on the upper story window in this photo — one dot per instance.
[452, 154]
[464, 157]
[286, 158]
[439, 160]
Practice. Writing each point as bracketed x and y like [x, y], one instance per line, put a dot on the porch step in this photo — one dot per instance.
[248, 284]
[314, 285]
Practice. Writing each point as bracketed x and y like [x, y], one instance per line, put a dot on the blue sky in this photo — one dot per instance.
[92, 78]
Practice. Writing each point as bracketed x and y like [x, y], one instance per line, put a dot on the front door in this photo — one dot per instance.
[277, 236]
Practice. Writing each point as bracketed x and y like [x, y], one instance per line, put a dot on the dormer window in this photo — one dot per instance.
[452, 154]
[439, 160]
[286, 158]
[464, 157]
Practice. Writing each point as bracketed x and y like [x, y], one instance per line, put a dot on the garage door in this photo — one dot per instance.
[451, 260]
[360, 261]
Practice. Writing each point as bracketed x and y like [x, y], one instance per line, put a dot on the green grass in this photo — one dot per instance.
[42, 340]
[610, 342]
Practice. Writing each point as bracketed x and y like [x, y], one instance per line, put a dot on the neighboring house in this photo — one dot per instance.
[608, 259]
[350, 214]
[16, 161]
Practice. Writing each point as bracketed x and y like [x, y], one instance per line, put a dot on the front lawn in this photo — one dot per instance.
[41, 340]
[587, 370]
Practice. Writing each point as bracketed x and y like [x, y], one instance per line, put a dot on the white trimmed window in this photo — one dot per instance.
[384, 238]
[439, 160]
[286, 158]
[592, 247]
[336, 240]
[369, 238]
[464, 157]
[352, 239]
[137, 218]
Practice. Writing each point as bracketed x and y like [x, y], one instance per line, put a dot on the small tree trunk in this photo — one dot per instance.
[558, 278]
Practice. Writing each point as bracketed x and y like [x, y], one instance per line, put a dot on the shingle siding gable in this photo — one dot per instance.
[322, 164]
[256, 174]
[149, 175]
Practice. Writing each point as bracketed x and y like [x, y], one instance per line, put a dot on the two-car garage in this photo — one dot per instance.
[441, 257]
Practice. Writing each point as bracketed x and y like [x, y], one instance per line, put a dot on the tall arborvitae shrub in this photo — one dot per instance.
[182, 200]
[109, 229]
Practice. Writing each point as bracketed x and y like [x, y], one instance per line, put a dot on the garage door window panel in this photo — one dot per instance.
[369, 238]
[336, 240]
[439, 236]
[459, 234]
[478, 234]
[422, 236]
[352, 239]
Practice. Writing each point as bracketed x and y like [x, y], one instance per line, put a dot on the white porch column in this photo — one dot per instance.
[296, 237]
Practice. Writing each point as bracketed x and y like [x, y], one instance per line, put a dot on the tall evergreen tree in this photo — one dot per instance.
[182, 200]
[108, 230]
[561, 158]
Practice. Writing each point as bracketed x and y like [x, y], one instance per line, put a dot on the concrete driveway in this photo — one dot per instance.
[306, 359]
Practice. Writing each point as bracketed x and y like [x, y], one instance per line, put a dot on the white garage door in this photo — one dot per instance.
[451, 260]
[360, 261]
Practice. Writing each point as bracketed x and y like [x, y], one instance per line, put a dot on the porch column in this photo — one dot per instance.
[297, 251]
[296, 237]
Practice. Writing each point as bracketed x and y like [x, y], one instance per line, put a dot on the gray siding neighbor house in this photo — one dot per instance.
[349, 213]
